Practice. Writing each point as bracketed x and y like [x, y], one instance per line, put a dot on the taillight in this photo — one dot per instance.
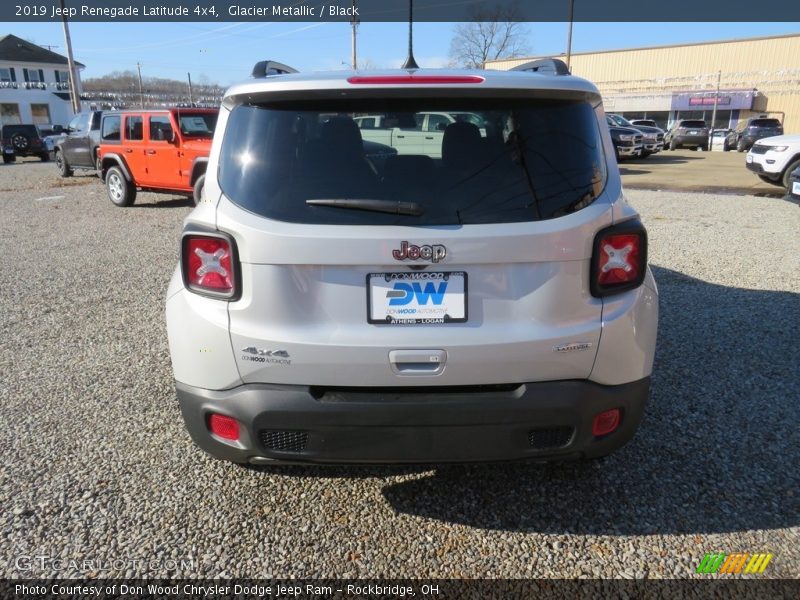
[619, 259]
[224, 427]
[209, 264]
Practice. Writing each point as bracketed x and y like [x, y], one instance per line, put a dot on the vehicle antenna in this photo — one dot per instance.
[410, 62]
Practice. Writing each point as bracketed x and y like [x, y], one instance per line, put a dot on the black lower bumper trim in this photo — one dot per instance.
[422, 426]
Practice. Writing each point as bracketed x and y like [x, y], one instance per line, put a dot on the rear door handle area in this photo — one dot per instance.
[417, 363]
[150, 151]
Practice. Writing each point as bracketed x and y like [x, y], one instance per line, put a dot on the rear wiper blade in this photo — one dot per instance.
[385, 206]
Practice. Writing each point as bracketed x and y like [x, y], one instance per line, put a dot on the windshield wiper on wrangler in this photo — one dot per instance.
[384, 206]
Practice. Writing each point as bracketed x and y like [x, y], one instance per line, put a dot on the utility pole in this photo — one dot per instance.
[354, 25]
[714, 112]
[141, 94]
[73, 80]
[569, 32]
[191, 102]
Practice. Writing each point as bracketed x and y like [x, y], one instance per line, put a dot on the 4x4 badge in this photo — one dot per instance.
[261, 352]
[433, 253]
[572, 347]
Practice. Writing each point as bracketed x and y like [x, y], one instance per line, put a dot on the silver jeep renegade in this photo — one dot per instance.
[412, 266]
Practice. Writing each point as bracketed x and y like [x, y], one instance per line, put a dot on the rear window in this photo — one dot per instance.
[765, 123]
[699, 124]
[110, 130]
[498, 161]
[198, 125]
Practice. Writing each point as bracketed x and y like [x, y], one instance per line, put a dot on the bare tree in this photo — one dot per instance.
[491, 33]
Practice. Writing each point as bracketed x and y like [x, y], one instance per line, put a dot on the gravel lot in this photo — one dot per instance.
[96, 464]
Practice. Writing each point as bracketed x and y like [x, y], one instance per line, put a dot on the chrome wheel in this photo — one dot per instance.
[116, 187]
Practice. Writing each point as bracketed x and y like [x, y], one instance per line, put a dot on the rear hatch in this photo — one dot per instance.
[403, 268]
[761, 128]
[693, 128]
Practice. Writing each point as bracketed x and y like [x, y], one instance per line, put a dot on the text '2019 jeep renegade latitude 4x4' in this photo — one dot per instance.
[494, 303]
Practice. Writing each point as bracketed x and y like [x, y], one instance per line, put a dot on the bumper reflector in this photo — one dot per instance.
[224, 427]
[605, 422]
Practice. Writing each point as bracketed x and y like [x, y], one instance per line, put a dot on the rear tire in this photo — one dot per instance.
[62, 165]
[786, 180]
[198, 193]
[673, 145]
[121, 192]
[9, 158]
[740, 146]
[45, 156]
[766, 179]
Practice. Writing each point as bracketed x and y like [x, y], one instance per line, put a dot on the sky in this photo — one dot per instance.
[226, 52]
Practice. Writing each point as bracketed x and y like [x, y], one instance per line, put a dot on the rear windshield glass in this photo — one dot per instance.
[700, 124]
[454, 162]
[765, 123]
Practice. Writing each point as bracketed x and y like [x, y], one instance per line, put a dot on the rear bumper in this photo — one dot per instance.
[298, 424]
[691, 140]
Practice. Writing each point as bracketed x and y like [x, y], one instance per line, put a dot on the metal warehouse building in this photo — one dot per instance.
[755, 76]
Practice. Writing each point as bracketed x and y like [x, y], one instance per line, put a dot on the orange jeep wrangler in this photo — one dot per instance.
[155, 151]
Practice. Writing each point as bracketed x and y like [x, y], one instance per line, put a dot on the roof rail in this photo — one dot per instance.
[265, 68]
[544, 65]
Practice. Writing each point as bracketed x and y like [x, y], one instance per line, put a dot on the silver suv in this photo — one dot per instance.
[481, 295]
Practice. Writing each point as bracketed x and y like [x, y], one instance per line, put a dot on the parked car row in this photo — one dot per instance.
[167, 150]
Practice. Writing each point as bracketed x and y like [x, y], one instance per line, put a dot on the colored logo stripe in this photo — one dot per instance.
[734, 563]
[710, 563]
[758, 563]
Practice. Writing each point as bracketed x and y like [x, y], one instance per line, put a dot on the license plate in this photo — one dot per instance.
[796, 187]
[8, 150]
[417, 298]
[692, 133]
[749, 159]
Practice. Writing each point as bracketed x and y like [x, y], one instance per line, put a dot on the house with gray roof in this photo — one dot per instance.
[34, 84]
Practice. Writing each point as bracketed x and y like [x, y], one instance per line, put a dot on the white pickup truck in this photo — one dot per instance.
[424, 137]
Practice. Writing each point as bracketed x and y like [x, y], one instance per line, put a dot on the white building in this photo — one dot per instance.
[34, 84]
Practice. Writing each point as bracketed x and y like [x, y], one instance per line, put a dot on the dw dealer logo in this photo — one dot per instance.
[734, 564]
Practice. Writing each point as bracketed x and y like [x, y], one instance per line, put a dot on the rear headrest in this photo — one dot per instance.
[461, 145]
[342, 136]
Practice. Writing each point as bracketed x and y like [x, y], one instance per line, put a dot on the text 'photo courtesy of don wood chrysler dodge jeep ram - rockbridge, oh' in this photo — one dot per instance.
[482, 295]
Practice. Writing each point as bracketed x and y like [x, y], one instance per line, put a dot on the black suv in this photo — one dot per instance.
[746, 134]
[78, 148]
[23, 140]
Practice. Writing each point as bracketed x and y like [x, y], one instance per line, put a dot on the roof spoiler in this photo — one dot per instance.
[544, 65]
[265, 68]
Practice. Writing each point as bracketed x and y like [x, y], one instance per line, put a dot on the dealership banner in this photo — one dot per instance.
[729, 587]
[398, 10]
